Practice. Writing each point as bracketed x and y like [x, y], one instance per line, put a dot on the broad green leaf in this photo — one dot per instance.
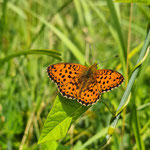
[53, 145]
[63, 113]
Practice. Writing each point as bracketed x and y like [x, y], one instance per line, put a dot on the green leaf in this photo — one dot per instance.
[53, 145]
[63, 113]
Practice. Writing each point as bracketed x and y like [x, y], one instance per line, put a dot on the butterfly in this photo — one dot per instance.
[86, 84]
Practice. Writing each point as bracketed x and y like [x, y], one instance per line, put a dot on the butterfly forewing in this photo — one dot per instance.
[108, 79]
[63, 73]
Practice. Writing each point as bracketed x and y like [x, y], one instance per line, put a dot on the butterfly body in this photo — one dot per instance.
[86, 78]
[86, 84]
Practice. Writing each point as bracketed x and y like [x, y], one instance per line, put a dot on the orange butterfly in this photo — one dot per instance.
[86, 84]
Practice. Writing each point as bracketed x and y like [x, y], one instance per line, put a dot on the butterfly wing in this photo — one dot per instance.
[87, 96]
[108, 79]
[90, 94]
[65, 75]
[62, 73]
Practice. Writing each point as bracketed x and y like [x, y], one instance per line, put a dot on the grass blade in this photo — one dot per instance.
[136, 128]
[130, 84]
[17, 10]
[52, 53]
[94, 138]
[52, 16]
[147, 2]
[72, 47]
[117, 26]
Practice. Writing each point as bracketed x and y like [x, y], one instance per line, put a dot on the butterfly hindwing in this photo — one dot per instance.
[89, 95]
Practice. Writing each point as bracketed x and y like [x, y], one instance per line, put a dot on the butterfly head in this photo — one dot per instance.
[94, 66]
[91, 70]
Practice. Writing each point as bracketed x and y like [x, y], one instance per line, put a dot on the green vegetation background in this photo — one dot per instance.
[81, 32]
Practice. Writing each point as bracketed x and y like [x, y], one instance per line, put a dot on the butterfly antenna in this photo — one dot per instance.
[116, 56]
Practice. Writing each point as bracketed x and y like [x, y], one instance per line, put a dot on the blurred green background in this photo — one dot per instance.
[82, 32]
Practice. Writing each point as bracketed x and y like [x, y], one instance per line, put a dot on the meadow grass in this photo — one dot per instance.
[64, 31]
